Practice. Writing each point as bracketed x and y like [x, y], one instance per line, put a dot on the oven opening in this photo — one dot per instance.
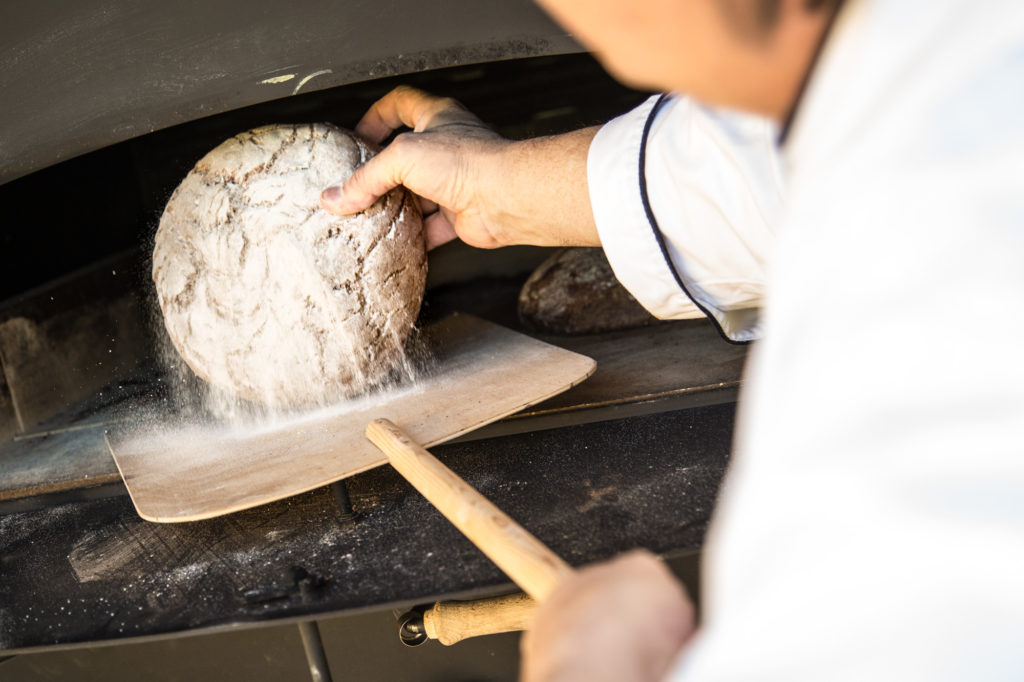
[78, 356]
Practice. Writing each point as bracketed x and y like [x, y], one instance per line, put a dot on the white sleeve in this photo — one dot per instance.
[686, 199]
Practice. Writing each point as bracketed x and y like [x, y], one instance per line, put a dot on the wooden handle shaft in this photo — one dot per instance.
[453, 621]
[527, 561]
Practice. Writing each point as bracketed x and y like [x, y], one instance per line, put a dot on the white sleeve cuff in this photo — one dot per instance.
[687, 218]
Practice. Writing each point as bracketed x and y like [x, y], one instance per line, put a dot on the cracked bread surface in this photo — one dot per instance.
[267, 296]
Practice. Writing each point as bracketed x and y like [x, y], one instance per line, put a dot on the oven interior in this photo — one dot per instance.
[631, 457]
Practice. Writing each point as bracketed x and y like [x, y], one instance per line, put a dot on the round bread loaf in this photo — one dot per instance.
[271, 298]
[575, 292]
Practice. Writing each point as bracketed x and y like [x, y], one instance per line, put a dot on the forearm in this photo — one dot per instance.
[488, 191]
[539, 191]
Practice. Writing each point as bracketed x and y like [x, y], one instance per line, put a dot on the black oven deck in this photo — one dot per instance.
[630, 458]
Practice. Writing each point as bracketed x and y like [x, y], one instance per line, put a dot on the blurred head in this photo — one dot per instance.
[745, 54]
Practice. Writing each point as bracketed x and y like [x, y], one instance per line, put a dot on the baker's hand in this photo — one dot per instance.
[487, 190]
[435, 160]
[624, 620]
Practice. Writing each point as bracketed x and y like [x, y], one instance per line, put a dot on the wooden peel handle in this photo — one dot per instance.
[453, 621]
[527, 561]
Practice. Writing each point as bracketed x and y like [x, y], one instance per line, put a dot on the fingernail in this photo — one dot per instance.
[332, 195]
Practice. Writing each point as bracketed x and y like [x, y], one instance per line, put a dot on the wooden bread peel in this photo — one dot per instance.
[526, 560]
[482, 372]
[523, 558]
[450, 622]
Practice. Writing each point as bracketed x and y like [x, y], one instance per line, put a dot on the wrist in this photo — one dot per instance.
[502, 205]
[541, 195]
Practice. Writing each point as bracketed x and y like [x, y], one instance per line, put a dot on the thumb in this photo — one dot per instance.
[369, 182]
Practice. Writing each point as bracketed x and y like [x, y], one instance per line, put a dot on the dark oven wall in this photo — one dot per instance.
[78, 75]
[71, 214]
[99, 76]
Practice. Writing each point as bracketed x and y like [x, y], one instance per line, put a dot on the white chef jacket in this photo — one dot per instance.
[871, 526]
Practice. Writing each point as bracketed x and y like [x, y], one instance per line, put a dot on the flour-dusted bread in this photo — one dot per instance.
[575, 292]
[269, 297]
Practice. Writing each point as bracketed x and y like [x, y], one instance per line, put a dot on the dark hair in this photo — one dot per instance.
[757, 18]
[768, 10]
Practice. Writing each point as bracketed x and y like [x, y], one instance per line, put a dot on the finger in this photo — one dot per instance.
[391, 112]
[438, 230]
[472, 231]
[427, 206]
[409, 107]
[369, 182]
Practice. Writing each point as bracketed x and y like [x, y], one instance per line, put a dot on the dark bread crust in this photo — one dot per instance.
[575, 292]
